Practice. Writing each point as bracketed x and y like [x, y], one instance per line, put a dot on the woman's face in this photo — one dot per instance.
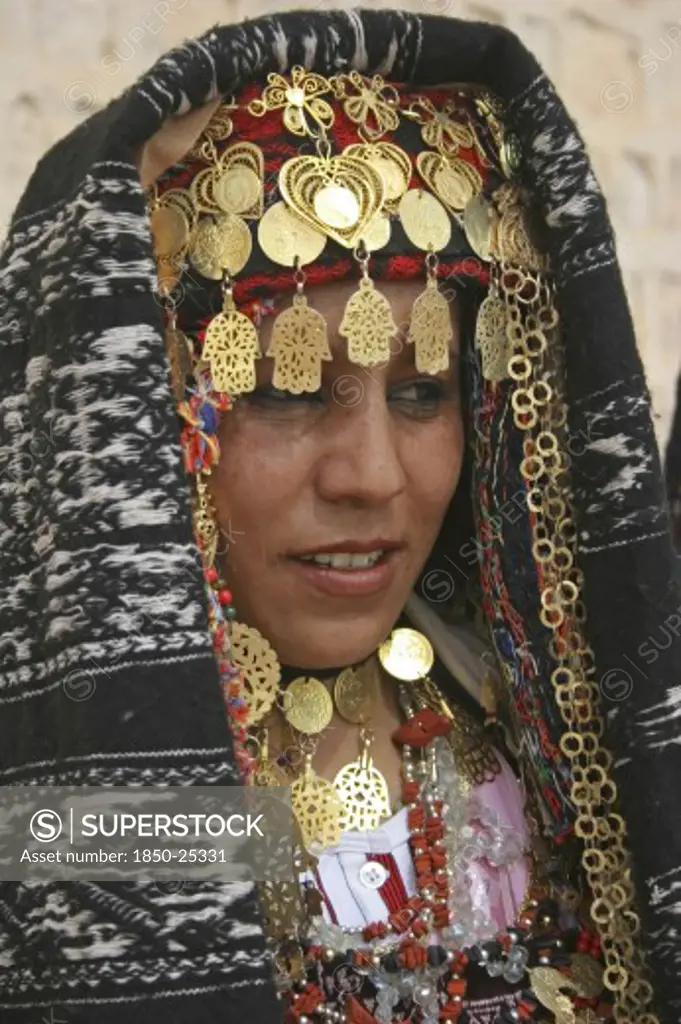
[331, 502]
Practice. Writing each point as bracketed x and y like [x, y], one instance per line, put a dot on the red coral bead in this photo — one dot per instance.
[225, 596]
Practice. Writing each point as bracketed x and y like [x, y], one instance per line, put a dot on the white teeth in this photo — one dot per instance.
[345, 560]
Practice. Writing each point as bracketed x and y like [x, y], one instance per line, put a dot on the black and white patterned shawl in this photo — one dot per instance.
[101, 592]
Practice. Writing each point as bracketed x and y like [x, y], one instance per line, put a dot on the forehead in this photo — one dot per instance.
[330, 300]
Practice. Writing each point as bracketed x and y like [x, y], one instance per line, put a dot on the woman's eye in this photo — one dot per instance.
[423, 396]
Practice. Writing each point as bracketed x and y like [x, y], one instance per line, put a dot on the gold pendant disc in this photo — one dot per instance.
[407, 655]
[307, 705]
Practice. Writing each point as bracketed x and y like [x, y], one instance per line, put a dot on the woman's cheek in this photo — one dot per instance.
[436, 462]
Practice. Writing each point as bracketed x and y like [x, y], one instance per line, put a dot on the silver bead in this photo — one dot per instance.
[329, 954]
[544, 960]
[303, 1020]
[451, 956]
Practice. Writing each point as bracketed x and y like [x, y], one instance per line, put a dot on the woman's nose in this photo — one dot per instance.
[362, 463]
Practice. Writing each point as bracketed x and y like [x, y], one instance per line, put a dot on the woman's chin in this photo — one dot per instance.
[313, 650]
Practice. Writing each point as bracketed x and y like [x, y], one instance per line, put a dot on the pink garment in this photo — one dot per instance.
[355, 895]
[501, 890]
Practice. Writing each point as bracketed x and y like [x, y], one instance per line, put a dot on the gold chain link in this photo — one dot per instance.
[539, 410]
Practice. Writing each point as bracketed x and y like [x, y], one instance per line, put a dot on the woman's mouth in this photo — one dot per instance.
[345, 559]
[349, 573]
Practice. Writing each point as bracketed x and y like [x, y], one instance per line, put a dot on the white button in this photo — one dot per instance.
[372, 874]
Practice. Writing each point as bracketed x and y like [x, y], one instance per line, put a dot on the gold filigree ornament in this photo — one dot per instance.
[220, 243]
[305, 112]
[318, 809]
[454, 181]
[438, 128]
[363, 792]
[233, 184]
[583, 980]
[368, 323]
[391, 162]
[507, 147]
[231, 347]
[551, 987]
[298, 346]
[491, 336]
[369, 102]
[430, 325]
[425, 220]
[510, 242]
[282, 906]
[219, 128]
[204, 520]
[338, 195]
[475, 758]
[307, 705]
[260, 670]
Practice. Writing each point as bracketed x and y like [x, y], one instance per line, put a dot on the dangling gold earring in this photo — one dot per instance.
[231, 346]
[178, 352]
[367, 322]
[430, 327]
[299, 343]
[204, 520]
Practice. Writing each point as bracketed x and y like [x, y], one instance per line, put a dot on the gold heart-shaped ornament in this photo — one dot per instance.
[234, 185]
[339, 195]
[453, 181]
[239, 185]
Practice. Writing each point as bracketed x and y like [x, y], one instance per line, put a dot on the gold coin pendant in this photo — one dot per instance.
[425, 220]
[170, 230]
[221, 243]
[307, 705]
[283, 236]
[407, 655]
[337, 206]
[352, 698]
[477, 223]
[237, 190]
[377, 232]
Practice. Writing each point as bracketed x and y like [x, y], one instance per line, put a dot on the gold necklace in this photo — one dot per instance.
[358, 797]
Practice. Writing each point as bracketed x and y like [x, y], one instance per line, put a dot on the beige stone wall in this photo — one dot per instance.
[616, 62]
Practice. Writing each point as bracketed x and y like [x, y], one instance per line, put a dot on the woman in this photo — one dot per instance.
[420, 500]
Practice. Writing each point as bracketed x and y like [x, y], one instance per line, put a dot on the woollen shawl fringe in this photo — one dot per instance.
[95, 523]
